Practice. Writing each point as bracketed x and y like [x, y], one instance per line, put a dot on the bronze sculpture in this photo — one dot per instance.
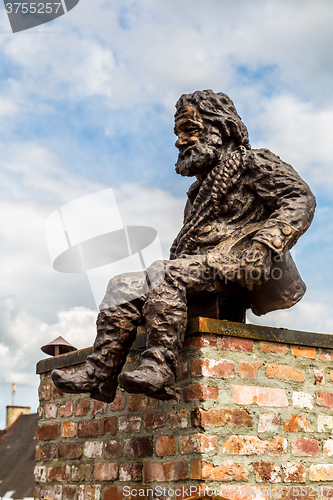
[245, 211]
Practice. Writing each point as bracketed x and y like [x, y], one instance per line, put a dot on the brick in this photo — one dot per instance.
[57, 393]
[237, 344]
[197, 443]
[284, 372]
[164, 472]
[273, 348]
[267, 472]
[262, 396]
[302, 400]
[252, 445]
[113, 449]
[98, 407]
[294, 473]
[88, 492]
[303, 351]
[326, 354]
[60, 473]
[200, 392]
[114, 493]
[228, 471]
[248, 370]
[269, 422]
[319, 377]
[69, 492]
[131, 424]
[82, 408]
[93, 449]
[106, 471]
[199, 341]
[325, 399]
[83, 472]
[88, 429]
[47, 432]
[69, 429]
[128, 472]
[51, 410]
[141, 402]
[297, 423]
[70, 451]
[49, 452]
[40, 474]
[118, 403]
[53, 492]
[203, 418]
[142, 447]
[165, 446]
[108, 426]
[211, 368]
[331, 375]
[178, 419]
[153, 421]
[305, 447]
[325, 423]
[321, 472]
[44, 392]
[328, 447]
[66, 410]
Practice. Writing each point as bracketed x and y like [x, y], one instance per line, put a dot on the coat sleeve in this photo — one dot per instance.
[288, 200]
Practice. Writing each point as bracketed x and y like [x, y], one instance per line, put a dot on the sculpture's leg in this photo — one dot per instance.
[165, 312]
[116, 330]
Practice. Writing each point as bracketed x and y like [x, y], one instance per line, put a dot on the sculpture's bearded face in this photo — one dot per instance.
[199, 144]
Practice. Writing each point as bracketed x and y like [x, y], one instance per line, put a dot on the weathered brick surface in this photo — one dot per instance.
[178, 419]
[165, 445]
[297, 423]
[305, 447]
[211, 368]
[269, 422]
[261, 396]
[284, 372]
[142, 447]
[263, 419]
[237, 344]
[228, 471]
[267, 472]
[197, 443]
[203, 418]
[164, 472]
[248, 370]
[294, 473]
[200, 392]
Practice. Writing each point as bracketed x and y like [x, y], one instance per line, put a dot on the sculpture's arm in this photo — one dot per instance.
[288, 199]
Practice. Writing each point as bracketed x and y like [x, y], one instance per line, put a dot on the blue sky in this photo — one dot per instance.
[87, 103]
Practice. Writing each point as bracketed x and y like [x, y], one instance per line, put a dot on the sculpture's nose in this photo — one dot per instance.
[184, 139]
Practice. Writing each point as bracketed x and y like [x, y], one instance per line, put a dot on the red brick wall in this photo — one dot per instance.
[253, 420]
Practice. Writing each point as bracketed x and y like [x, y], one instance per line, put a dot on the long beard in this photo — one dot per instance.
[198, 159]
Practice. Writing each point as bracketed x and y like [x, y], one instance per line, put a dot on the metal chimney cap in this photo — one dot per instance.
[58, 346]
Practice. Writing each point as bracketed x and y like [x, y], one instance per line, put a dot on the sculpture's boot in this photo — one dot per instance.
[166, 319]
[116, 331]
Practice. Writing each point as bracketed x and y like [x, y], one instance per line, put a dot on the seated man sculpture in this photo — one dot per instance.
[245, 211]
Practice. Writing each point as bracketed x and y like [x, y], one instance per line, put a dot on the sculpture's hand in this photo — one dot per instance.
[251, 268]
[255, 265]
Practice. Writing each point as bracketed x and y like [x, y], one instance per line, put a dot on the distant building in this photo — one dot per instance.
[17, 454]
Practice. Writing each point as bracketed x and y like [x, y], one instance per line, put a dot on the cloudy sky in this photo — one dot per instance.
[87, 103]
